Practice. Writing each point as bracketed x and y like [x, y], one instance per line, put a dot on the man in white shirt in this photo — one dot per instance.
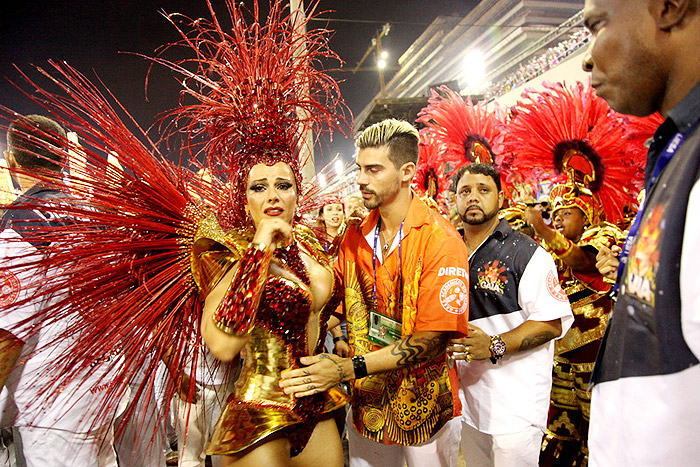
[71, 425]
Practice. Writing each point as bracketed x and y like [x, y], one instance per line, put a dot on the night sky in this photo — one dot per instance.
[95, 37]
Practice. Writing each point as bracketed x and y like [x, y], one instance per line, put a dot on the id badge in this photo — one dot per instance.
[383, 330]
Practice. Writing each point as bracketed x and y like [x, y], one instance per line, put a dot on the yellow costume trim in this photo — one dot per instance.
[560, 245]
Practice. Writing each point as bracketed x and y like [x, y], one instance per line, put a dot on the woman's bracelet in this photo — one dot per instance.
[236, 312]
[339, 338]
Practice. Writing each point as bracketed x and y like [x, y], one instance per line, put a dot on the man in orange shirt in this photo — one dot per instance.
[406, 294]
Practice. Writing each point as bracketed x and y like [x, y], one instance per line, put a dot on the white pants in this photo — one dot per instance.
[139, 439]
[520, 449]
[46, 447]
[166, 412]
[434, 452]
[194, 432]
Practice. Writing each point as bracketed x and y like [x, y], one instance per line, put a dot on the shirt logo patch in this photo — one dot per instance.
[454, 296]
[453, 271]
[643, 261]
[491, 277]
[9, 288]
[554, 287]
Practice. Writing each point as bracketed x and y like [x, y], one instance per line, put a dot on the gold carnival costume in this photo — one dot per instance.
[588, 291]
[278, 312]
[575, 353]
[572, 137]
[259, 112]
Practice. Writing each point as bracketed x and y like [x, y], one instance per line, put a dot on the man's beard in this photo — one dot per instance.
[480, 219]
[378, 199]
[372, 203]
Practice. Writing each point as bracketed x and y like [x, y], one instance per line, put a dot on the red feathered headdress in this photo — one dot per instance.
[469, 133]
[256, 93]
[574, 135]
[430, 180]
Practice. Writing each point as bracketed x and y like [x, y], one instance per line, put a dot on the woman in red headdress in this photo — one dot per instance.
[228, 253]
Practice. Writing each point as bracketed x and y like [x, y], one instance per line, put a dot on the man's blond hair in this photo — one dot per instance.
[398, 135]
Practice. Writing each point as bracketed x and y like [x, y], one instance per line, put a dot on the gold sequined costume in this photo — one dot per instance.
[594, 162]
[258, 408]
[575, 353]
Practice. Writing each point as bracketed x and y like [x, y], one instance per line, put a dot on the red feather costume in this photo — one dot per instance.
[149, 239]
[574, 136]
[467, 132]
[430, 180]
[595, 166]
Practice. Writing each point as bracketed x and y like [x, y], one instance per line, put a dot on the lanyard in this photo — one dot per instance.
[663, 160]
[374, 263]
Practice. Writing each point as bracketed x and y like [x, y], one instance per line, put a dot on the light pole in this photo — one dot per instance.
[380, 55]
[298, 18]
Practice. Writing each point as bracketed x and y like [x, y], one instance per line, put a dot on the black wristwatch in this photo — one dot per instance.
[339, 338]
[497, 348]
[358, 364]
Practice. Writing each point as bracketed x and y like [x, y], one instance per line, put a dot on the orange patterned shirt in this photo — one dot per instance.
[409, 405]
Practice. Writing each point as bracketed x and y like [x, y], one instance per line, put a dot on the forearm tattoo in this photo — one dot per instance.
[414, 350]
[531, 342]
[338, 366]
